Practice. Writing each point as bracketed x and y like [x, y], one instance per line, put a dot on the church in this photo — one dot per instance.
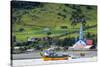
[81, 44]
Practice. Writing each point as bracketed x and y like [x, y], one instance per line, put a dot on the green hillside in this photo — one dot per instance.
[31, 19]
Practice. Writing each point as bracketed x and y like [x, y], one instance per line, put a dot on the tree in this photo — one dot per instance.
[13, 38]
[77, 18]
[21, 29]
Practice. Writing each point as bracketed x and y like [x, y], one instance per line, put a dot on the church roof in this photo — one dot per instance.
[79, 44]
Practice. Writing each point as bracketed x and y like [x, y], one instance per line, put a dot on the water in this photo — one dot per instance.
[32, 62]
[36, 55]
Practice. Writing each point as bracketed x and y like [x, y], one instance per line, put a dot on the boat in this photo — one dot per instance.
[50, 55]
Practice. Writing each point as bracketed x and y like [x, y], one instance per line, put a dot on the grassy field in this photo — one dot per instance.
[35, 20]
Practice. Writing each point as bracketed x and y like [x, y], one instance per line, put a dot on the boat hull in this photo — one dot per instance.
[54, 58]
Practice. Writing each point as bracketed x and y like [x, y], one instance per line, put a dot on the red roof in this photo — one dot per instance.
[89, 42]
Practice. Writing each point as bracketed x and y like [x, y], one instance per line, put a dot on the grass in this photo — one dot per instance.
[35, 20]
[55, 32]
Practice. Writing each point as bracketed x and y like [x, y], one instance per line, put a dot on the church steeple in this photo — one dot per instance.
[81, 32]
